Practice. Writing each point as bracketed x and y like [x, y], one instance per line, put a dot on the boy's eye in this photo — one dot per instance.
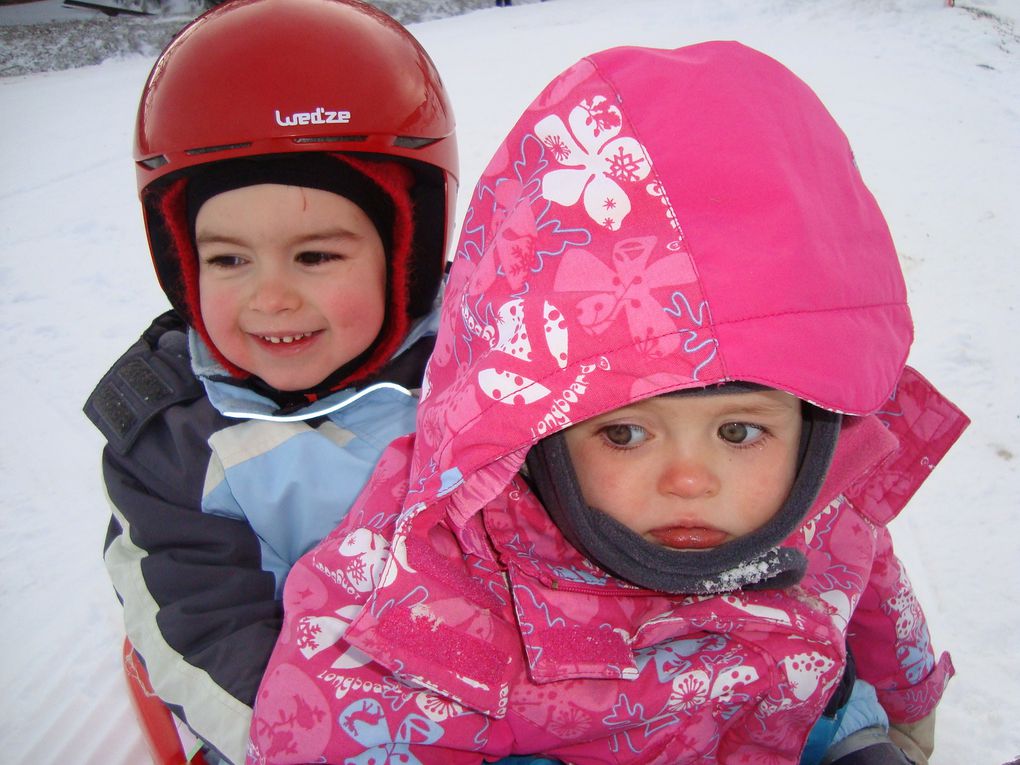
[223, 261]
[624, 435]
[315, 258]
[740, 432]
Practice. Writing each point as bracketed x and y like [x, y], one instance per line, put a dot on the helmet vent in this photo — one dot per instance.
[223, 147]
[153, 162]
[410, 142]
[331, 138]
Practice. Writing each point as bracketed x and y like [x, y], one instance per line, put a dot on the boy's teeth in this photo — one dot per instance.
[286, 338]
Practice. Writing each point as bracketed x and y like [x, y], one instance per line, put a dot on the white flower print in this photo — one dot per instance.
[595, 161]
[437, 708]
[804, 671]
[690, 690]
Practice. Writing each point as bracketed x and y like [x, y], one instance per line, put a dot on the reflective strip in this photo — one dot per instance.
[309, 415]
[222, 720]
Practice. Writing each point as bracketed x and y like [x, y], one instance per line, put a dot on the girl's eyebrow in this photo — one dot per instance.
[756, 408]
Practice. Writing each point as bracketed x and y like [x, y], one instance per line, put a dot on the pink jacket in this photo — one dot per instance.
[636, 233]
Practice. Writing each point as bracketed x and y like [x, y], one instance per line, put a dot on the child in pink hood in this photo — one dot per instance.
[667, 420]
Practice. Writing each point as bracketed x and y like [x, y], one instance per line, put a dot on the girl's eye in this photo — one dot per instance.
[624, 436]
[741, 433]
[316, 258]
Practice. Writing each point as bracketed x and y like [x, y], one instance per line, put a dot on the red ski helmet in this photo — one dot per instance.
[272, 77]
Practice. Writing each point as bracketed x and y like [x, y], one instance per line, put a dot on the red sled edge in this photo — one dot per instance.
[159, 727]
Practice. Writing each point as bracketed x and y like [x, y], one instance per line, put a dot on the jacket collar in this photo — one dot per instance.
[235, 398]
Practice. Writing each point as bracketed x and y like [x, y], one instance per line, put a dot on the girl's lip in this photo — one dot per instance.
[689, 537]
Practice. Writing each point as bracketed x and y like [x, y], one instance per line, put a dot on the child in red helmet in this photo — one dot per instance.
[643, 518]
[297, 204]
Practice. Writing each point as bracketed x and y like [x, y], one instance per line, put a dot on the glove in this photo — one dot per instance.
[869, 746]
[917, 739]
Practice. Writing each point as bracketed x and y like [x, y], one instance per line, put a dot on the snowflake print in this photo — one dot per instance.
[518, 258]
[362, 557]
[308, 633]
[625, 167]
[356, 572]
[595, 160]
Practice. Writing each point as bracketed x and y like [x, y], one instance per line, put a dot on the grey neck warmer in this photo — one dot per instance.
[753, 561]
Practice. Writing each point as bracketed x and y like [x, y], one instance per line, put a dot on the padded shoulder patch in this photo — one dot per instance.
[153, 375]
[925, 425]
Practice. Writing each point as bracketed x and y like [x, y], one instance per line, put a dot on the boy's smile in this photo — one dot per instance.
[690, 472]
[292, 281]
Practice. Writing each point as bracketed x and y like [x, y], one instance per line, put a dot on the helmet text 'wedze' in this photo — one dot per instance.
[320, 116]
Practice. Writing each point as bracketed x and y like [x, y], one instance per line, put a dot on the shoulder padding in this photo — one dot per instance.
[154, 374]
[924, 425]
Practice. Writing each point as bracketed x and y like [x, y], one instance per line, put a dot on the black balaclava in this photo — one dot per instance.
[310, 170]
[317, 171]
[753, 561]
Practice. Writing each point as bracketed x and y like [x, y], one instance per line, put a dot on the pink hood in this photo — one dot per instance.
[657, 220]
[642, 229]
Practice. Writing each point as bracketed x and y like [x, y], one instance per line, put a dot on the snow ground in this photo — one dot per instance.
[930, 97]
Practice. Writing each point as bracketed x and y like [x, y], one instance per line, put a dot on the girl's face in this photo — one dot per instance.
[690, 472]
[292, 281]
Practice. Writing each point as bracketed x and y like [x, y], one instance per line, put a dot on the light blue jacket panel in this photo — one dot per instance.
[293, 478]
[292, 482]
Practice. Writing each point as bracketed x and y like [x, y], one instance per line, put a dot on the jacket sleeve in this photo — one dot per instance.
[198, 607]
[889, 637]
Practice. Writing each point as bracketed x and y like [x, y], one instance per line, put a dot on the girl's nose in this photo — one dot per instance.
[689, 477]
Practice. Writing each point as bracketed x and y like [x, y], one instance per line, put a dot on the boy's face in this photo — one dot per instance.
[292, 281]
[690, 472]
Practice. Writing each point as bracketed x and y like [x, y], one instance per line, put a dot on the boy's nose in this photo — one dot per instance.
[689, 478]
[273, 294]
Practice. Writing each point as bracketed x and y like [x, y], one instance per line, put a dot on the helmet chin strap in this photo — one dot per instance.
[753, 561]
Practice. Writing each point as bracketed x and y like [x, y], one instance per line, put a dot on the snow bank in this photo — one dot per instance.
[44, 36]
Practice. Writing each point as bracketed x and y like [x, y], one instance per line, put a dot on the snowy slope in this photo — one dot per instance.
[930, 97]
